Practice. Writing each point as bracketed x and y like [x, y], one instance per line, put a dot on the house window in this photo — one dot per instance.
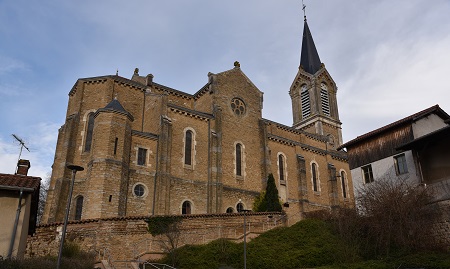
[78, 207]
[315, 178]
[186, 208]
[188, 147]
[89, 132]
[367, 173]
[324, 99]
[400, 164]
[281, 167]
[142, 156]
[230, 210]
[344, 184]
[238, 159]
[306, 106]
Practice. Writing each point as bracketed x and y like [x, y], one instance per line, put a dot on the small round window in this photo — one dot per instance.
[238, 106]
[139, 190]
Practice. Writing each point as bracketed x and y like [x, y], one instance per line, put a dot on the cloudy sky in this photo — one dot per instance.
[389, 58]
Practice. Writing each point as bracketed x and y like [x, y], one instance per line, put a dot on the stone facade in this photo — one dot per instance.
[127, 238]
[150, 149]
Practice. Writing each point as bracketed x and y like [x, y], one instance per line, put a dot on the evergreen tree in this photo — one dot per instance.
[269, 201]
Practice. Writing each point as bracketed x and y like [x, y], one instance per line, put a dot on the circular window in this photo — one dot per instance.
[238, 106]
[139, 190]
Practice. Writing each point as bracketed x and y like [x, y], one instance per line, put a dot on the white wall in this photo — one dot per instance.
[427, 125]
[385, 168]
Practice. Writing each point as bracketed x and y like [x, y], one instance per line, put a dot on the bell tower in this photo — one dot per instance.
[313, 94]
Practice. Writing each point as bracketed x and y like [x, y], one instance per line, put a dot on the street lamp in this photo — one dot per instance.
[74, 169]
[245, 233]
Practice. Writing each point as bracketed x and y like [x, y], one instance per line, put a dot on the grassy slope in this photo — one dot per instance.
[309, 243]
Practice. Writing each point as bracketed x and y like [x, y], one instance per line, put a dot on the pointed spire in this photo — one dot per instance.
[309, 59]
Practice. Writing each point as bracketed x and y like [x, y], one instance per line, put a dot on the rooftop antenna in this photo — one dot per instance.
[22, 145]
[304, 10]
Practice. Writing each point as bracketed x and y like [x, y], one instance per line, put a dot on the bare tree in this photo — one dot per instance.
[168, 228]
[397, 214]
[45, 184]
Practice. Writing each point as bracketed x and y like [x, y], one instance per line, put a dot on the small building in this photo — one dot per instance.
[413, 149]
[19, 199]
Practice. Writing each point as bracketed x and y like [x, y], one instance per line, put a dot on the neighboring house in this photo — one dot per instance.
[432, 154]
[149, 149]
[19, 198]
[415, 148]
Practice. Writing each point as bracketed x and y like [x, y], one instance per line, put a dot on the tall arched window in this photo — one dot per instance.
[306, 106]
[78, 207]
[238, 159]
[315, 179]
[324, 99]
[89, 132]
[344, 184]
[186, 208]
[188, 147]
[281, 172]
[239, 207]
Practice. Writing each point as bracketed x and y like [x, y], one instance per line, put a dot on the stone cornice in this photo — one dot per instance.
[189, 112]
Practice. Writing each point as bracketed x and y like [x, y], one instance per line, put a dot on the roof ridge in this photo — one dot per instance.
[404, 120]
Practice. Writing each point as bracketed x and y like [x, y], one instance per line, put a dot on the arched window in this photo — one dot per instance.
[186, 208]
[89, 132]
[315, 179]
[238, 159]
[78, 207]
[324, 99]
[188, 142]
[230, 210]
[344, 184]
[281, 172]
[306, 105]
[239, 207]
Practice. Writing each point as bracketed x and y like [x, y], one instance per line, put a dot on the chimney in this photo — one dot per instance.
[22, 167]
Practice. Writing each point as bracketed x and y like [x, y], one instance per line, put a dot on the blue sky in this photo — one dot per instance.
[389, 59]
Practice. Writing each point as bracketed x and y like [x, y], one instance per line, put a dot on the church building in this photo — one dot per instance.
[148, 149]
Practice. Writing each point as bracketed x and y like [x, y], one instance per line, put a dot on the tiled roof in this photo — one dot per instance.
[19, 181]
[414, 117]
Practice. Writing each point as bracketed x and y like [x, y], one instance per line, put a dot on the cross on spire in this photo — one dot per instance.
[304, 10]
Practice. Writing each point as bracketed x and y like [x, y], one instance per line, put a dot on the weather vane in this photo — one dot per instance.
[304, 10]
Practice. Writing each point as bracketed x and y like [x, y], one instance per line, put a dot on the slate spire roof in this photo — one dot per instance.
[115, 105]
[309, 58]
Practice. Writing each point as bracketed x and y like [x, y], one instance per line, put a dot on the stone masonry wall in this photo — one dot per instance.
[441, 229]
[127, 238]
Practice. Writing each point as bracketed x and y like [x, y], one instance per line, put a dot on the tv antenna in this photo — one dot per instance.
[22, 144]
